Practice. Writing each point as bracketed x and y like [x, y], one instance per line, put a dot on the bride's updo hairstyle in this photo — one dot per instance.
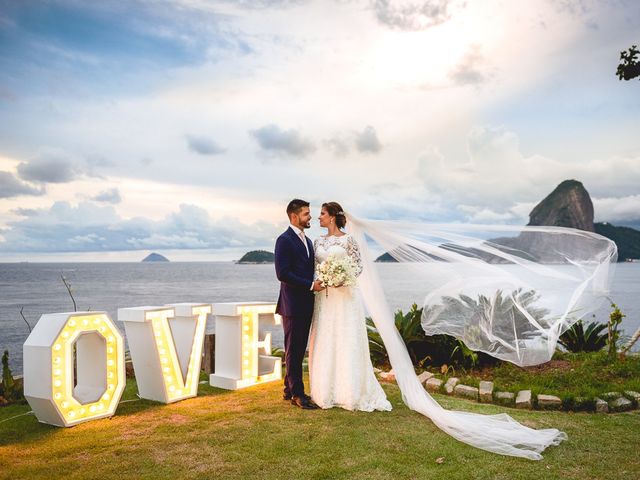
[335, 210]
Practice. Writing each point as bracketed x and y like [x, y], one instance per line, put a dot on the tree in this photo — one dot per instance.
[629, 67]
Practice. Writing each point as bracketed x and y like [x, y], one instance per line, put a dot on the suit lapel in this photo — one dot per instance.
[297, 242]
[300, 245]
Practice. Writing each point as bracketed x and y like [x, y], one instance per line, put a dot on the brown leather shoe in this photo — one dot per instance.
[304, 403]
[311, 402]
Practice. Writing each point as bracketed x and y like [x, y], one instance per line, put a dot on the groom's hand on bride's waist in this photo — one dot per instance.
[317, 286]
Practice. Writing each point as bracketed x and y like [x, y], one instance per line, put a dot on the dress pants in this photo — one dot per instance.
[296, 336]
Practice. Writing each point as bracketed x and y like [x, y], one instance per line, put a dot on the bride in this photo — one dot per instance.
[543, 280]
[340, 369]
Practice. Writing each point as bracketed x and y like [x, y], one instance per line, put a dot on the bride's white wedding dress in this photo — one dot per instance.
[532, 283]
[340, 369]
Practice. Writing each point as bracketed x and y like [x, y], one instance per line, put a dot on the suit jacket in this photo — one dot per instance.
[295, 271]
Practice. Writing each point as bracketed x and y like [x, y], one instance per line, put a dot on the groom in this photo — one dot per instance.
[294, 268]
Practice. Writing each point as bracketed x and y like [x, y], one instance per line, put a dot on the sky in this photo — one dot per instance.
[184, 127]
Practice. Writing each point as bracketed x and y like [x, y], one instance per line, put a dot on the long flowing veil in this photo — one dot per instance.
[506, 290]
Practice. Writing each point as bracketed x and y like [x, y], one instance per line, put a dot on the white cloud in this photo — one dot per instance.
[88, 227]
[338, 144]
[156, 241]
[90, 238]
[48, 169]
[367, 141]
[109, 196]
[274, 140]
[411, 15]
[10, 186]
[485, 215]
[496, 173]
[364, 141]
[311, 76]
[203, 145]
[622, 209]
[472, 68]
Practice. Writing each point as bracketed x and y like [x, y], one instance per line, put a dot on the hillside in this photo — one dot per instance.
[155, 257]
[386, 258]
[257, 256]
[627, 239]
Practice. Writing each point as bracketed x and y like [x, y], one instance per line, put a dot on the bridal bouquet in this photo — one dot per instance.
[336, 272]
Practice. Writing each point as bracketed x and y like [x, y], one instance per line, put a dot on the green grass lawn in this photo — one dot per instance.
[568, 375]
[252, 433]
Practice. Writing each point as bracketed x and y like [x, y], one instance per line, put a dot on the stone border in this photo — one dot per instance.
[525, 399]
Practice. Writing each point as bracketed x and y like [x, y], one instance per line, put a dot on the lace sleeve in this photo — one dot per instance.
[354, 252]
[315, 249]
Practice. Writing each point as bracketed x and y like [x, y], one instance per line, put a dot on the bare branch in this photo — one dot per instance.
[25, 320]
[68, 285]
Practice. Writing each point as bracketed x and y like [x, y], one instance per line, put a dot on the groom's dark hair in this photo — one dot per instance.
[295, 206]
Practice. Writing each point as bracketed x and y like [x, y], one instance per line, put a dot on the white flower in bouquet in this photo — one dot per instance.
[336, 271]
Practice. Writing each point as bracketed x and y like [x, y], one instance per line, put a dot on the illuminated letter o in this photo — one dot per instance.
[49, 375]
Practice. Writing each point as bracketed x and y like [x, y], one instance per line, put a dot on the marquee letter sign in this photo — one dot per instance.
[74, 362]
[166, 348]
[88, 340]
[242, 357]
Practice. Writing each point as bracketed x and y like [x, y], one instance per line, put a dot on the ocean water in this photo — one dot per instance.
[108, 286]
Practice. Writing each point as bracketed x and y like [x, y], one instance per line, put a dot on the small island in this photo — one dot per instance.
[386, 258]
[257, 257]
[155, 257]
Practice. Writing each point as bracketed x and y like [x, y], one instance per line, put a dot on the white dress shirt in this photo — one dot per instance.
[300, 234]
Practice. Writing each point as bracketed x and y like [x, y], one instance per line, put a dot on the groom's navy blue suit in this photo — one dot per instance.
[294, 269]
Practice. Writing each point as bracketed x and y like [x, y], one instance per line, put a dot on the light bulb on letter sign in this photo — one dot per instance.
[166, 348]
[242, 356]
[89, 340]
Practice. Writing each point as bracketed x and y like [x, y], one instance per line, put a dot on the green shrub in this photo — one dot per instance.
[8, 390]
[615, 319]
[410, 329]
[577, 339]
[277, 352]
[424, 350]
[518, 305]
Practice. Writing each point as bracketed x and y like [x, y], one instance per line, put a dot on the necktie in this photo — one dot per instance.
[304, 241]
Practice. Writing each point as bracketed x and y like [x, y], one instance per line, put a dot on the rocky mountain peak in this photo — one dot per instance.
[569, 205]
